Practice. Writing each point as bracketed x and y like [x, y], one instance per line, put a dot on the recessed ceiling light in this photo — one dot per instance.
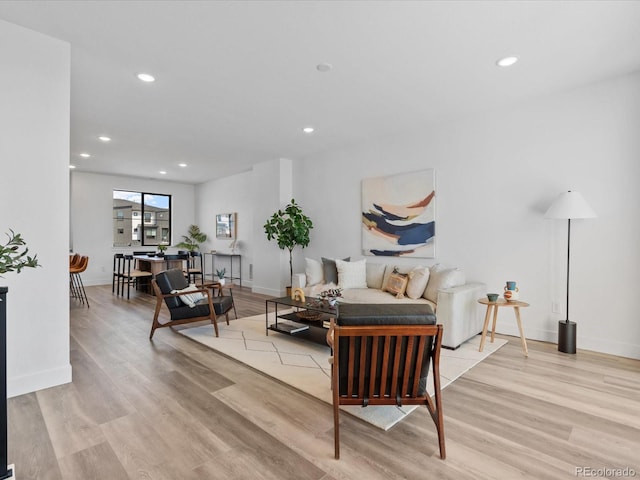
[507, 61]
[182, 165]
[104, 138]
[162, 172]
[72, 166]
[85, 155]
[308, 129]
[145, 77]
[324, 67]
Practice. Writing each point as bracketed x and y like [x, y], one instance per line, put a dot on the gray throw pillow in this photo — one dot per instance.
[330, 270]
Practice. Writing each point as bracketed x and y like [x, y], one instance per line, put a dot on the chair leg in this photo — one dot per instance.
[215, 323]
[83, 291]
[436, 412]
[336, 426]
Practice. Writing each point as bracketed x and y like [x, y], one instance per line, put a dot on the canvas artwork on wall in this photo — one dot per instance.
[398, 215]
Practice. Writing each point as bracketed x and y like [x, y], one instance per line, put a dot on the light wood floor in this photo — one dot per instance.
[173, 409]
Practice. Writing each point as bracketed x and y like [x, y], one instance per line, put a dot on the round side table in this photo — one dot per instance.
[494, 306]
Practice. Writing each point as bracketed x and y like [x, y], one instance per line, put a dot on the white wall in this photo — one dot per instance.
[255, 196]
[92, 210]
[34, 151]
[228, 195]
[496, 175]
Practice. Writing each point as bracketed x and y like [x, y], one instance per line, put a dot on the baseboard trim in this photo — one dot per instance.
[38, 381]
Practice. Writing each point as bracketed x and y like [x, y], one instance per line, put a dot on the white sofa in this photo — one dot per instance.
[454, 301]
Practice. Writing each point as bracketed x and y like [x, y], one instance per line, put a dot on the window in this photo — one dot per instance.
[138, 217]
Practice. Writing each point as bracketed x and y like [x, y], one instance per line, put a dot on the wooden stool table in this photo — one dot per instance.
[495, 305]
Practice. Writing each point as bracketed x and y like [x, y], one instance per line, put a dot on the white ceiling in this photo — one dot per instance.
[237, 81]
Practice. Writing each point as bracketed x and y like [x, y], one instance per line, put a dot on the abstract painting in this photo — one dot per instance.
[398, 215]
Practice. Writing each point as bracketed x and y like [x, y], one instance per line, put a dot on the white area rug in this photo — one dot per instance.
[303, 364]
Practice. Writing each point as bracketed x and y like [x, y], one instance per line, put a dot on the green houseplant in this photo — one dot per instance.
[193, 239]
[289, 227]
[14, 256]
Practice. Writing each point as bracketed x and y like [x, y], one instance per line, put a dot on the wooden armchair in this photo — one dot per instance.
[381, 356]
[208, 308]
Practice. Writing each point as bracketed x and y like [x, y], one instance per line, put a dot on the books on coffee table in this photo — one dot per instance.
[292, 327]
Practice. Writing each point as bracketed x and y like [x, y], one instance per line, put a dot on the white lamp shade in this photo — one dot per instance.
[570, 205]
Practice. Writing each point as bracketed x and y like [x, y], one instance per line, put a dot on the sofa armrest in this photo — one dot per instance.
[460, 313]
[299, 280]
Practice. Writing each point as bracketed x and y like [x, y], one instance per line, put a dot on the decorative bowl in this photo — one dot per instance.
[492, 297]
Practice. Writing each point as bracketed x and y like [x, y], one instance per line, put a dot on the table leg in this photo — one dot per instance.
[484, 327]
[495, 320]
[522, 339]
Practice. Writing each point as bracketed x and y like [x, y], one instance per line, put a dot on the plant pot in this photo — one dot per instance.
[222, 281]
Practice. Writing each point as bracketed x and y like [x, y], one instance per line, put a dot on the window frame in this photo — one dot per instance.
[142, 240]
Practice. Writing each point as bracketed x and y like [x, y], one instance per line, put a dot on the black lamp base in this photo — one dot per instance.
[567, 336]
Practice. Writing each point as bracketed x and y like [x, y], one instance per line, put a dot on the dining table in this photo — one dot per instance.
[155, 264]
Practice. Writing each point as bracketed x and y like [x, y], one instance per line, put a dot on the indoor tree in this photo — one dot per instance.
[289, 227]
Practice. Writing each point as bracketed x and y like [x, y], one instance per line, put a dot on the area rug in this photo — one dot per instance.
[304, 365]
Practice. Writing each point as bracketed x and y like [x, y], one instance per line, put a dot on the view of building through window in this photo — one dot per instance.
[141, 219]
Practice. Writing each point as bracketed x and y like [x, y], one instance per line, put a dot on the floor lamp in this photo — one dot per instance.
[569, 205]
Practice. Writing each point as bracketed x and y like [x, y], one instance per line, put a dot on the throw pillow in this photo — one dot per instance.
[313, 271]
[397, 284]
[190, 299]
[441, 278]
[418, 278]
[375, 275]
[330, 270]
[352, 274]
[394, 269]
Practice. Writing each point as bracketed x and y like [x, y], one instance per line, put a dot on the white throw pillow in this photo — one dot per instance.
[313, 271]
[352, 274]
[190, 299]
[418, 278]
[375, 275]
[440, 278]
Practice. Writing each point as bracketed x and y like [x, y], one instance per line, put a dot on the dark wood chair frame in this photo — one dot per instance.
[415, 337]
[212, 317]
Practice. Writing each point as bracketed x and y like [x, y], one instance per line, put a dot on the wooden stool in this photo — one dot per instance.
[494, 305]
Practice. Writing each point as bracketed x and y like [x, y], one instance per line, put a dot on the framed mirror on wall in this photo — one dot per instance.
[226, 225]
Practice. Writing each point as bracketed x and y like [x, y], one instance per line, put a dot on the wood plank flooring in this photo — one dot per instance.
[173, 409]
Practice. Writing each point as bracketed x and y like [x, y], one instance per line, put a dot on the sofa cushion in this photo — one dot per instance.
[313, 271]
[440, 278]
[418, 278]
[374, 295]
[375, 275]
[330, 270]
[352, 274]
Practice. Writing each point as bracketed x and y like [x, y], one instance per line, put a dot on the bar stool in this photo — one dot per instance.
[75, 280]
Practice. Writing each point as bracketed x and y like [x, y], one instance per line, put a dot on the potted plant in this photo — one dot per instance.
[193, 239]
[289, 227]
[161, 249]
[13, 258]
[220, 273]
